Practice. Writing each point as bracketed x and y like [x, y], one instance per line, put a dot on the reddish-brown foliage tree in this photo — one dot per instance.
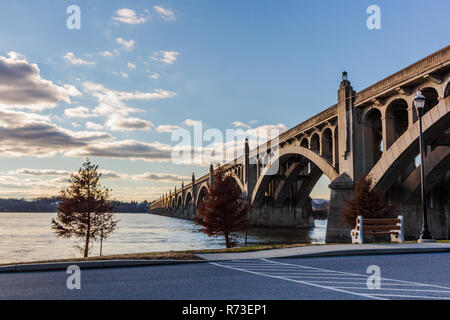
[222, 212]
[85, 211]
[366, 202]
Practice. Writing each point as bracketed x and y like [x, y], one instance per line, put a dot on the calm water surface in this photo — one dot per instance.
[28, 236]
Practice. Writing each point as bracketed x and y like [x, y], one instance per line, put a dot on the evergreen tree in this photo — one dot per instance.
[85, 211]
[367, 202]
[222, 212]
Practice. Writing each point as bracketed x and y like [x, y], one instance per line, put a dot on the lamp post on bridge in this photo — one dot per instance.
[425, 235]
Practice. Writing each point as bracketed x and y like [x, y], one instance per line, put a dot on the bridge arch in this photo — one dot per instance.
[188, 199]
[327, 143]
[396, 120]
[314, 142]
[431, 98]
[447, 89]
[304, 143]
[283, 154]
[393, 161]
[238, 181]
[373, 137]
[202, 193]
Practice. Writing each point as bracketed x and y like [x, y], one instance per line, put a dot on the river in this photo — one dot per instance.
[26, 236]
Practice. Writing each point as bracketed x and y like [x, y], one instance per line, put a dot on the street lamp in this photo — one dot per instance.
[425, 235]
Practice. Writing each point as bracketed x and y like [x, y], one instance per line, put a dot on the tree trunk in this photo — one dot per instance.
[227, 239]
[86, 246]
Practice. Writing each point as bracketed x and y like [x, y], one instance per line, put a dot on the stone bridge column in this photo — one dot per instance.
[350, 161]
[342, 189]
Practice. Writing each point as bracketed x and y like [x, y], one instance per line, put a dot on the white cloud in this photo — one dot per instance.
[27, 134]
[129, 45]
[169, 57]
[164, 13]
[167, 128]
[22, 87]
[106, 53]
[93, 126]
[70, 57]
[112, 101]
[240, 124]
[126, 149]
[131, 65]
[79, 112]
[129, 16]
[124, 75]
[189, 122]
[154, 76]
[117, 122]
[40, 172]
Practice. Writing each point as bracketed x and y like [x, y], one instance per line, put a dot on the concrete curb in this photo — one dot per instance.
[365, 252]
[326, 253]
[139, 263]
[91, 265]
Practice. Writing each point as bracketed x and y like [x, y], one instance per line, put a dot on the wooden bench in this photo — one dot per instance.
[393, 227]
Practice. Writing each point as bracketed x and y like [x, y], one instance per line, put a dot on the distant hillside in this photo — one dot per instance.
[50, 204]
[320, 208]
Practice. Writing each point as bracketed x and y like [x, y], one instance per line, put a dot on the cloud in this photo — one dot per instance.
[129, 45]
[93, 126]
[106, 53]
[22, 87]
[129, 16]
[70, 57]
[25, 134]
[106, 174]
[118, 123]
[79, 112]
[131, 65]
[164, 13]
[167, 128]
[240, 124]
[169, 57]
[126, 149]
[189, 122]
[40, 172]
[112, 101]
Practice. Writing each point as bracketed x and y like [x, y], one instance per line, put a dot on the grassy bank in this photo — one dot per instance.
[186, 254]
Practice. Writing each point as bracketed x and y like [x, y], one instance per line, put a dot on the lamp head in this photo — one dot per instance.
[419, 101]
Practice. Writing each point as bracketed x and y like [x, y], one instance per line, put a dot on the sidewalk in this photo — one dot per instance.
[331, 250]
[297, 252]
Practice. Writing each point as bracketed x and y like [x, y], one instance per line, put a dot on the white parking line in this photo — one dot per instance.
[330, 280]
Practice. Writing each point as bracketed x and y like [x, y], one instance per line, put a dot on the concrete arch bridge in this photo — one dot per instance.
[370, 132]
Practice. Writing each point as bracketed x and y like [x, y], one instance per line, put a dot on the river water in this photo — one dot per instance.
[28, 236]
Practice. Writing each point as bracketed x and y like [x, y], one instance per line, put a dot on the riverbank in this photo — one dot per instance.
[254, 252]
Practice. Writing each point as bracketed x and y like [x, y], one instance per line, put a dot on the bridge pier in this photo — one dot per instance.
[342, 189]
[282, 217]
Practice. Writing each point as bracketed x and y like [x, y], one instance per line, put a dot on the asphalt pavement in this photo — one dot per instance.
[403, 276]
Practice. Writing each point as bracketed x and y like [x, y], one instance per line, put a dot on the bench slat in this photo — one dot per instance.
[381, 228]
[381, 221]
[382, 232]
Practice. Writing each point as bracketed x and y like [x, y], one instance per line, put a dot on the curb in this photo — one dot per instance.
[140, 263]
[337, 253]
[365, 252]
[91, 265]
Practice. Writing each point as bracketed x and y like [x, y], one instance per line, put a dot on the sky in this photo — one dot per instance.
[117, 89]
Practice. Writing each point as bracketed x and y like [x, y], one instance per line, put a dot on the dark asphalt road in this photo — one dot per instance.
[311, 278]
